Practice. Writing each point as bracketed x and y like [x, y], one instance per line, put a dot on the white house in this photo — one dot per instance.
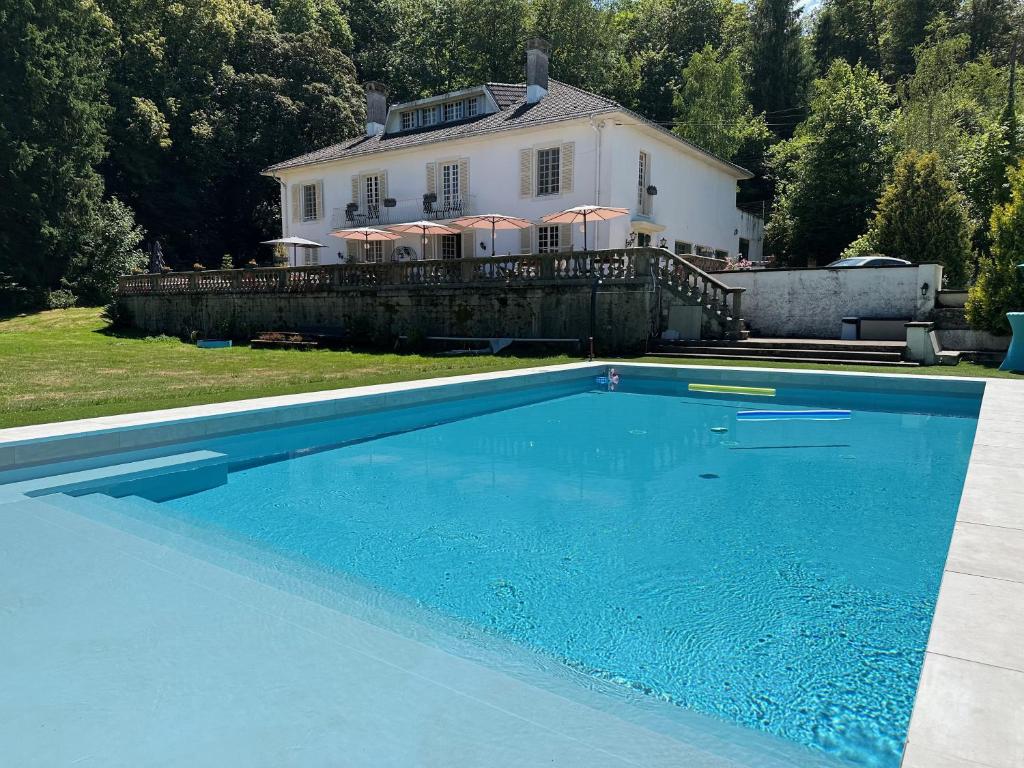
[522, 149]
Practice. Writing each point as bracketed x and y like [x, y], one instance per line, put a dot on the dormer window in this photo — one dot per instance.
[472, 106]
[408, 120]
[429, 115]
[454, 110]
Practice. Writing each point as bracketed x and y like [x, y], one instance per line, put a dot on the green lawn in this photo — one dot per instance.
[61, 365]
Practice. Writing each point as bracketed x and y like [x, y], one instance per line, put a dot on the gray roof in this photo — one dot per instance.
[562, 102]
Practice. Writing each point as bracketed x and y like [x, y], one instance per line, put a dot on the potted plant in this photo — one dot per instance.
[390, 202]
[652, 190]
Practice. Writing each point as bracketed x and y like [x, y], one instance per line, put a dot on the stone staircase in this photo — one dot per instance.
[682, 282]
[828, 351]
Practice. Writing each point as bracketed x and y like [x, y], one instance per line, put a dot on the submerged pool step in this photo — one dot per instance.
[132, 514]
[133, 477]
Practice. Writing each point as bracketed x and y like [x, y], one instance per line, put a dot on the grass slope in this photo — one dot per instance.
[61, 365]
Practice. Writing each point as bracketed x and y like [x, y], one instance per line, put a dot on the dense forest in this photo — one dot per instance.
[871, 125]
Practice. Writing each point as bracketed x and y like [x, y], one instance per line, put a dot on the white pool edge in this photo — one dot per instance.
[969, 708]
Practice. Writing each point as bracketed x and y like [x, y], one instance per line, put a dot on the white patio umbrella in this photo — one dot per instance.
[366, 234]
[424, 228]
[294, 242]
[495, 221]
[582, 213]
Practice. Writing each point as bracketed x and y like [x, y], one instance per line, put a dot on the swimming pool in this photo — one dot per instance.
[777, 574]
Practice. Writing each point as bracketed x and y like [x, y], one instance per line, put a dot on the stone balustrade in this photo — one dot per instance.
[645, 265]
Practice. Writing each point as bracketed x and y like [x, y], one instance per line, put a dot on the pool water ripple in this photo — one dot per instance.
[793, 593]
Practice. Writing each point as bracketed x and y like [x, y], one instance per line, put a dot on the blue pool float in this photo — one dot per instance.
[783, 415]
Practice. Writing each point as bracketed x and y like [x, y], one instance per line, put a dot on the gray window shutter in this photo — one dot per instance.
[383, 185]
[526, 239]
[432, 178]
[468, 243]
[565, 237]
[526, 173]
[464, 178]
[355, 189]
[568, 162]
[296, 203]
[320, 199]
[351, 249]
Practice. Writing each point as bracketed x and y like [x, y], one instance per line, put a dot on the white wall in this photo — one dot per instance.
[695, 201]
[493, 183]
[812, 302]
[751, 227]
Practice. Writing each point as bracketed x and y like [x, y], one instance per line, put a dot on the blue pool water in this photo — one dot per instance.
[780, 574]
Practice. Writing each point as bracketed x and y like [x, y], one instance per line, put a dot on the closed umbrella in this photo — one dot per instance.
[366, 234]
[424, 228]
[294, 242]
[582, 213]
[495, 221]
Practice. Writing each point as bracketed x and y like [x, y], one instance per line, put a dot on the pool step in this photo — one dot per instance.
[818, 351]
[780, 358]
[132, 514]
[166, 472]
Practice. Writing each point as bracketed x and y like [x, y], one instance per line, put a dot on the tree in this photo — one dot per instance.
[905, 27]
[779, 64]
[948, 98]
[1000, 288]
[711, 106]
[53, 111]
[111, 249]
[580, 34]
[922, 217]
[989, 24]
[207, 93]
[847, 29]
[830, 173]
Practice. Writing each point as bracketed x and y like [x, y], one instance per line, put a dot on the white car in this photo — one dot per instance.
[869, 261]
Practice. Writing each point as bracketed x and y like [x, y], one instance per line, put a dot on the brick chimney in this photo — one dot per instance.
[537, 50]
[376, 107]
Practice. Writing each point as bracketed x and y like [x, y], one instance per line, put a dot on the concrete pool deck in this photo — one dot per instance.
[969, 709]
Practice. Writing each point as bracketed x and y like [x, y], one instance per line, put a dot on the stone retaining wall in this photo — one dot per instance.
[379, 315]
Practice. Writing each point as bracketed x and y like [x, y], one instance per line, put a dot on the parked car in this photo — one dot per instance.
[869, 261]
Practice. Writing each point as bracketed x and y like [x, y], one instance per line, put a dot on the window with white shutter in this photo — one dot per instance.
[450, 188]
[310, 204]
[548, 171]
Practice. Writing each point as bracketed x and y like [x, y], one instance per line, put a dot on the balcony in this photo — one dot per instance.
[442, 209]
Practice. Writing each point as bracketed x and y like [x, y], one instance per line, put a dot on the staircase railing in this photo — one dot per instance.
[696, 286]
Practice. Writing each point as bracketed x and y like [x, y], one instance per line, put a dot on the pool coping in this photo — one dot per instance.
[969, 706]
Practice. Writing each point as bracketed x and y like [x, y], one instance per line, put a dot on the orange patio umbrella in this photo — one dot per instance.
[366, 234]
[582, 213]
[495, 221]
[424, 228]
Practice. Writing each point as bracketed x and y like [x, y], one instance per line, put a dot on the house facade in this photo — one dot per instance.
[521, 149]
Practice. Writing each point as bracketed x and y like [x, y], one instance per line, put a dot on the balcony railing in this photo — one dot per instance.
[442, 209]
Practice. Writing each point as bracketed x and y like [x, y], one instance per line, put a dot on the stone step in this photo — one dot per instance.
[780, 359]
[851, 355]
[782, 343]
